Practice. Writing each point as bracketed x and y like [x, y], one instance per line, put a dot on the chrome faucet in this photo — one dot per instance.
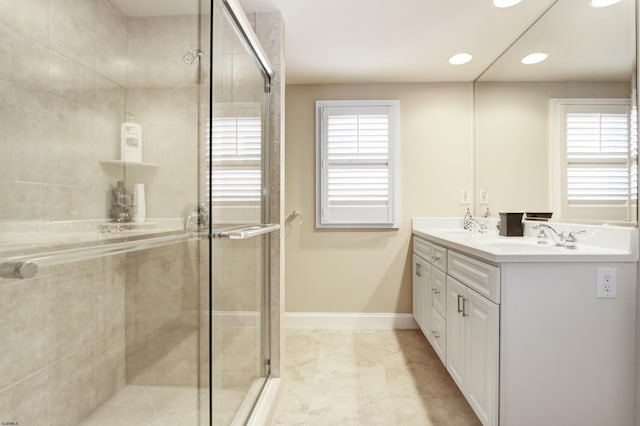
[543, 231]
[474, 224]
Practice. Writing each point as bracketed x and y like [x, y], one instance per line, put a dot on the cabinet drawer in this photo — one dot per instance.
[439, 336]
[438, 283]
[480, 276]
[422, 248]
[438, 257]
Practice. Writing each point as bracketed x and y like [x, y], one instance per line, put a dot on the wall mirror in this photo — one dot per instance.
[560, 135]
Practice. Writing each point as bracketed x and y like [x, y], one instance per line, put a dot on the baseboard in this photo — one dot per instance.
[334, 320]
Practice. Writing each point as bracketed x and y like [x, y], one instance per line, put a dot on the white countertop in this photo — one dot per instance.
[597, 244]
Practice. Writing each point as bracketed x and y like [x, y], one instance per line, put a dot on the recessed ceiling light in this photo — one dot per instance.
[505, 3]
[460, 58]
[534, 58]
[603, 3]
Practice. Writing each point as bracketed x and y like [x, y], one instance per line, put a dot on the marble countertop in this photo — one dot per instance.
[597, 244]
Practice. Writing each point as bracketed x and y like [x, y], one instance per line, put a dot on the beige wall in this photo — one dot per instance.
[512, 125]
[370, 271]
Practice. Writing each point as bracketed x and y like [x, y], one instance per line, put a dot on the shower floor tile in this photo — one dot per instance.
[147, 405]
[367, 377]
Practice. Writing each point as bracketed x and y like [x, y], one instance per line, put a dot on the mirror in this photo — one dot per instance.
[561, 135]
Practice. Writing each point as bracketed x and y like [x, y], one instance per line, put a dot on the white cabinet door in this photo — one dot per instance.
[417, 294]
[438, 291]
[455, 331]
[427, 300]
[472, 348]
[422, 293]
[481, 356]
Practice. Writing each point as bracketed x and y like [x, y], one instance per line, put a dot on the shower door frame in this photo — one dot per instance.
[238, 20]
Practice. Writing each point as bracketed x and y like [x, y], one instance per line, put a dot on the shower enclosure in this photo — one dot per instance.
[135, 221]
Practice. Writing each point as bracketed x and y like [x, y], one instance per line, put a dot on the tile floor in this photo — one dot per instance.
[367, 377]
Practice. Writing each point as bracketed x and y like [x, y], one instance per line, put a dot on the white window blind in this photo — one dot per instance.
[237, 153]
[598, 155]
[356, 149]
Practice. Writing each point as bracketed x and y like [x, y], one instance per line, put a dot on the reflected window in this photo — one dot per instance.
[237, 146]
[599, 158]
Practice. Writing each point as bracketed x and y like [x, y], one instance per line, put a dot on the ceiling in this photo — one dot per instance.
[359, 41]
[390, 41]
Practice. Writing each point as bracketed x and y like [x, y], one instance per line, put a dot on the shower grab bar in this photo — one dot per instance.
[29, 265]
[246, 231]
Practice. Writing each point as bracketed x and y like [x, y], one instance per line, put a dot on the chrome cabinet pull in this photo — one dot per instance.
[435, 258]
[436, 291]
[464, 307]
[418, 269]
[459, 299]
[436, 334]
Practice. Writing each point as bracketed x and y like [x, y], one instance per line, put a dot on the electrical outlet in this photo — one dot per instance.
[484, 196]
[606, 283]
[465, 197]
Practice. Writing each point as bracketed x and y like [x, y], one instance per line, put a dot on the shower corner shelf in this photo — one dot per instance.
[130, 164]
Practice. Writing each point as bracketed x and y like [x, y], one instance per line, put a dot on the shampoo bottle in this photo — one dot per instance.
[131, 141]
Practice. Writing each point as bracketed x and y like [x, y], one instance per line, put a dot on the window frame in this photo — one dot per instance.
[558, 164]
[393, 107]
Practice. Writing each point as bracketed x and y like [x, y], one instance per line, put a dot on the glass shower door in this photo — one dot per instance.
[239, 210]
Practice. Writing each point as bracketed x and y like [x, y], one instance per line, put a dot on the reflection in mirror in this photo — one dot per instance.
[560, 135]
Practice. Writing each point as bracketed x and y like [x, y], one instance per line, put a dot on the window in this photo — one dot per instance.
[598, 158]
[356, 170]
[237, 177]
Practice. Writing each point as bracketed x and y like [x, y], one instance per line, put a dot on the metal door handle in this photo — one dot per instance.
[418, 269]
[435, 258]
[436, 334]
[246, 231]
[436, 291]
[459, 299]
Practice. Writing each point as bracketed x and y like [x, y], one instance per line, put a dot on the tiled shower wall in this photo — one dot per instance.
[62, 336]
[65, 66]
[62, 76]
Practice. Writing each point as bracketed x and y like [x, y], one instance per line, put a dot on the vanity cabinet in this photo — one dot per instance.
[455, 304]
[524, 334]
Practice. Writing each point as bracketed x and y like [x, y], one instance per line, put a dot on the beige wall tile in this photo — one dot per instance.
[72, 394]
[70, 313]
[71, 80]
[28, 16]
[23, 329]
[109, 295]
[22, 58]
[110, 365]
[72, 29]
[26, 403]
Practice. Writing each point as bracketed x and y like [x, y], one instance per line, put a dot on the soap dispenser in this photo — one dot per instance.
[466, 223]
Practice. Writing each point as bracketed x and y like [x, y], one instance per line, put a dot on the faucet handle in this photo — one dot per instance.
[571, 238]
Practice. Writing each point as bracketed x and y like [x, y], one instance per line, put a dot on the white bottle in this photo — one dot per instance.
[139, 210]
[131, 141]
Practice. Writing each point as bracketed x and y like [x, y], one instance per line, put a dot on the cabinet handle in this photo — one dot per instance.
[418, 269]
[435, 258]
[459, 299]
[436, 291]
[436, 334]
[464, 307]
